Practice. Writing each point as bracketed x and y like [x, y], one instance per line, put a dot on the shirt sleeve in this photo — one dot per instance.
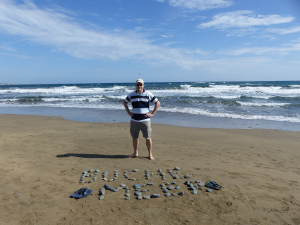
[152, 98]
[127, 99]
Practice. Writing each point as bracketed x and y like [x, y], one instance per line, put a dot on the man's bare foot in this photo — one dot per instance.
[151, 157]
[133, 155]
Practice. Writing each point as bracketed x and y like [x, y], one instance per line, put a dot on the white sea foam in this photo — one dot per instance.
[202, 112]
[295, 86]
[229, 91]
[62, 104]
[63, 90]
[185, 89]
[263, 104]
[227, 96]
[186, 86]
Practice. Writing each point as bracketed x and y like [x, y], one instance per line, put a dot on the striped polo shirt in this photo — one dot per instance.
[140, 104]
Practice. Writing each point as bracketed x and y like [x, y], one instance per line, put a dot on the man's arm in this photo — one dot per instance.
[127, 109]
[157, 104]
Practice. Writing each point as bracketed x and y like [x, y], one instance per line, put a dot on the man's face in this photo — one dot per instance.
[139, 87]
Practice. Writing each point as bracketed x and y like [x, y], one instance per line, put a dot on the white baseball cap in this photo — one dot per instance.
[139, 81]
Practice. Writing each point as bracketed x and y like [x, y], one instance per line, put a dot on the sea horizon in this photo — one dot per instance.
[132, 82]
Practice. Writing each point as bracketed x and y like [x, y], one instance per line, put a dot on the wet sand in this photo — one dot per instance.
[42, 160]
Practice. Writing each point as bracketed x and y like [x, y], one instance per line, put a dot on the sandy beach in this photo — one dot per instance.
[42, 160]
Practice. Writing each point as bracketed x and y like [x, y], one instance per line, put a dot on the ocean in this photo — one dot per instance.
[240, 105]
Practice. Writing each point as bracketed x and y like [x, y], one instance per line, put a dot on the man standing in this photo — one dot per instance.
[140, 116]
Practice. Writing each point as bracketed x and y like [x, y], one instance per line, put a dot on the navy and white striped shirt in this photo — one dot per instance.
[140, 104]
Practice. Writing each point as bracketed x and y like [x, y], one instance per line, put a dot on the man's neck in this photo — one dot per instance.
[140, 92]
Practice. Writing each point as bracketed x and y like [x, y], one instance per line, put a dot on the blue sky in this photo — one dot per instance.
[75, 41]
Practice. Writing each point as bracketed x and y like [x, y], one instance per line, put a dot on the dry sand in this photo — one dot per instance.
[42, 159]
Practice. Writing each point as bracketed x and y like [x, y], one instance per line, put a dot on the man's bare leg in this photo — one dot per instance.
[135, 142]
[149, 146]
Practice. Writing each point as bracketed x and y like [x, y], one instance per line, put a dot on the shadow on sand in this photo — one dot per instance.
[91, 156]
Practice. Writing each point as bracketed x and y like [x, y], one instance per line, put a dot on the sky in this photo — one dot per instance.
[108, 41]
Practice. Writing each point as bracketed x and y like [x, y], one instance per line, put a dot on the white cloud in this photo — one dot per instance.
[166, 35]
[56, 29]
[282, 50]
[7, 48]
[242, 32]
[289, 30]
[242, 19]
[199, 4]
[9, 51]
[255, 68]
[15, 55]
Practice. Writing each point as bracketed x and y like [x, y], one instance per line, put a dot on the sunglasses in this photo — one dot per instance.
[139, 85]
